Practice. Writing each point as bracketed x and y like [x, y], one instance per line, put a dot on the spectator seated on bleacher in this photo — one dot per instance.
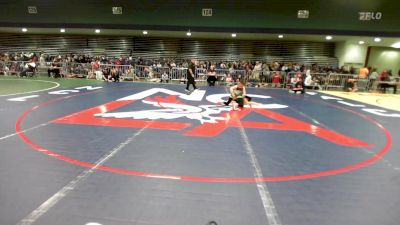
[152, 75]
[29, 69]
[54, 69]
[5, 70]
[363, 73]
[106, 73]
[75, 74]
[265, 74]
[91, 75]
[255, 74]
[362, 80]
[211, 76]
[14, 68]
[130, 74]
[165, 78]
[291, 81]
[114, 75]
[228, 80]
[385, 81]
[373, 77]
[297, 84]
[311, 82]
[121, 77]
[351, 84]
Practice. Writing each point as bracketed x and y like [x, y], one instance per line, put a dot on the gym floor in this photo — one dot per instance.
[80, 152]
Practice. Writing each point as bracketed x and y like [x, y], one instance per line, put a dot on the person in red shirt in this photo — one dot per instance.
[276, 80]
[385, 82]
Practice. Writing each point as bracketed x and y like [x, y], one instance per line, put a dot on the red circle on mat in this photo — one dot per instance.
[53, 154]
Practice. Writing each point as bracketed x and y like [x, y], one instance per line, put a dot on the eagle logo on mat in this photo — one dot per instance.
[172, 108]
[214, 118]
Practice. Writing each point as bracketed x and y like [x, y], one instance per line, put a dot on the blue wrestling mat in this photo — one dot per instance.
[130, 153]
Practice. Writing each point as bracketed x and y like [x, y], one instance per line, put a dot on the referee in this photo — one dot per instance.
[190, 75]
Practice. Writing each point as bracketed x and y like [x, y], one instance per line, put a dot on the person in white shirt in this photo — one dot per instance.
[29, 67]
[373, 77]
[164, 77]
[311, 82]
[308, 80]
